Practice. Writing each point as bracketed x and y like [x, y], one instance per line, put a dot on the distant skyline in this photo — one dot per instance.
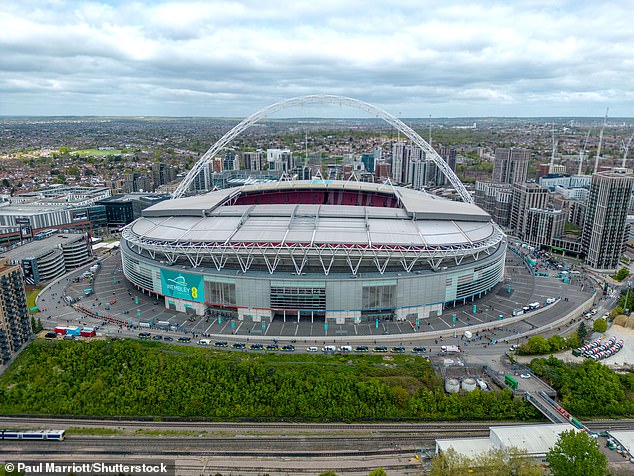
[533, 58]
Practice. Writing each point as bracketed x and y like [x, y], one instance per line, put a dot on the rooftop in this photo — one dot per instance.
[416, 204]
[37, 248]
[536, 440]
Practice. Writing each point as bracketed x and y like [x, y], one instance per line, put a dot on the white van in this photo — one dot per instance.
[345, 348]
[312, 349]
[204, 342]
[329, 348]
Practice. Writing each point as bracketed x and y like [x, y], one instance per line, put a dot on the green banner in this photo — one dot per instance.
[182, 285]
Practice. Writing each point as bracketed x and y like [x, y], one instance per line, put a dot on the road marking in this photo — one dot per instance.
[441, 319]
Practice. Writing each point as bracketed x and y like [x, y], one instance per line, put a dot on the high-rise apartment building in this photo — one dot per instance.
[252, 160]
[368, 162]
[543, 226]
[15, 325]
[495, 199]
[604, 229]
[162, 173]
[136, 182]
[524, 197]
[449, 154]
[279, 159]
[383, 171]
[510, 165]
[399, 162]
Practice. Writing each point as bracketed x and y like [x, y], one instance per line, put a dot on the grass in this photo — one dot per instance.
[96, 152]
[30, 298]
[94, 431]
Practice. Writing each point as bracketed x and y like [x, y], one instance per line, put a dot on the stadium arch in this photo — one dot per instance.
[431, 154]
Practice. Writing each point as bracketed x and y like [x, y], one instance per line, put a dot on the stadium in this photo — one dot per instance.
[332, 251]
[314, 249]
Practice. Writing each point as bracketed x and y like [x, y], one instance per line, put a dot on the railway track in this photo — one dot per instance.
[278, 427]
[64, 423]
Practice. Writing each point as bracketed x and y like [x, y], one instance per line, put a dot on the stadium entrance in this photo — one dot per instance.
[295, 315]
[298, 300]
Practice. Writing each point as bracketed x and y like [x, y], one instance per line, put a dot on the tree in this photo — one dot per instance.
[582, 332]
[510, 462]
[377, 472]
[73, 170]
[576, 454]
[600, 325]
[621, 274]
[538, 345]
[556, 343]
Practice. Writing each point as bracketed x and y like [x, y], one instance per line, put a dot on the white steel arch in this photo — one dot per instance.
[430, 153]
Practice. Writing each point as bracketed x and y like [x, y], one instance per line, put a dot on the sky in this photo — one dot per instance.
[412, 58]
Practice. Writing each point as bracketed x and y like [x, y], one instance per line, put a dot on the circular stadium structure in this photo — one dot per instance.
[340, 251]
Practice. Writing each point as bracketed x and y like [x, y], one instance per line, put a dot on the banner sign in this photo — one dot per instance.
[182, 285]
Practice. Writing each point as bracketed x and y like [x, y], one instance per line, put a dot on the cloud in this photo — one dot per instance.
[230, 58]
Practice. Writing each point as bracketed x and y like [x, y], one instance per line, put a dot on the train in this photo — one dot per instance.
[57, 435]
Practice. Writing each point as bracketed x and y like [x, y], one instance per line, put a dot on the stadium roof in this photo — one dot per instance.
[416, 204]
[264, 224]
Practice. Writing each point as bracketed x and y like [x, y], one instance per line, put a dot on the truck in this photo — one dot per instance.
[450, 349]
[73, 331]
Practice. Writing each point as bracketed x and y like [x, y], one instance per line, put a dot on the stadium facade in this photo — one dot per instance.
[343, 251]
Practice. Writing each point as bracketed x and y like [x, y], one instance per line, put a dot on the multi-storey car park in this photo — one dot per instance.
[340, 251]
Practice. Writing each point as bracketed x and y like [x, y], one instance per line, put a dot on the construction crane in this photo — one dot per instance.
[627, 148]
[582, 152]
[596, 160]
[552, 155]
